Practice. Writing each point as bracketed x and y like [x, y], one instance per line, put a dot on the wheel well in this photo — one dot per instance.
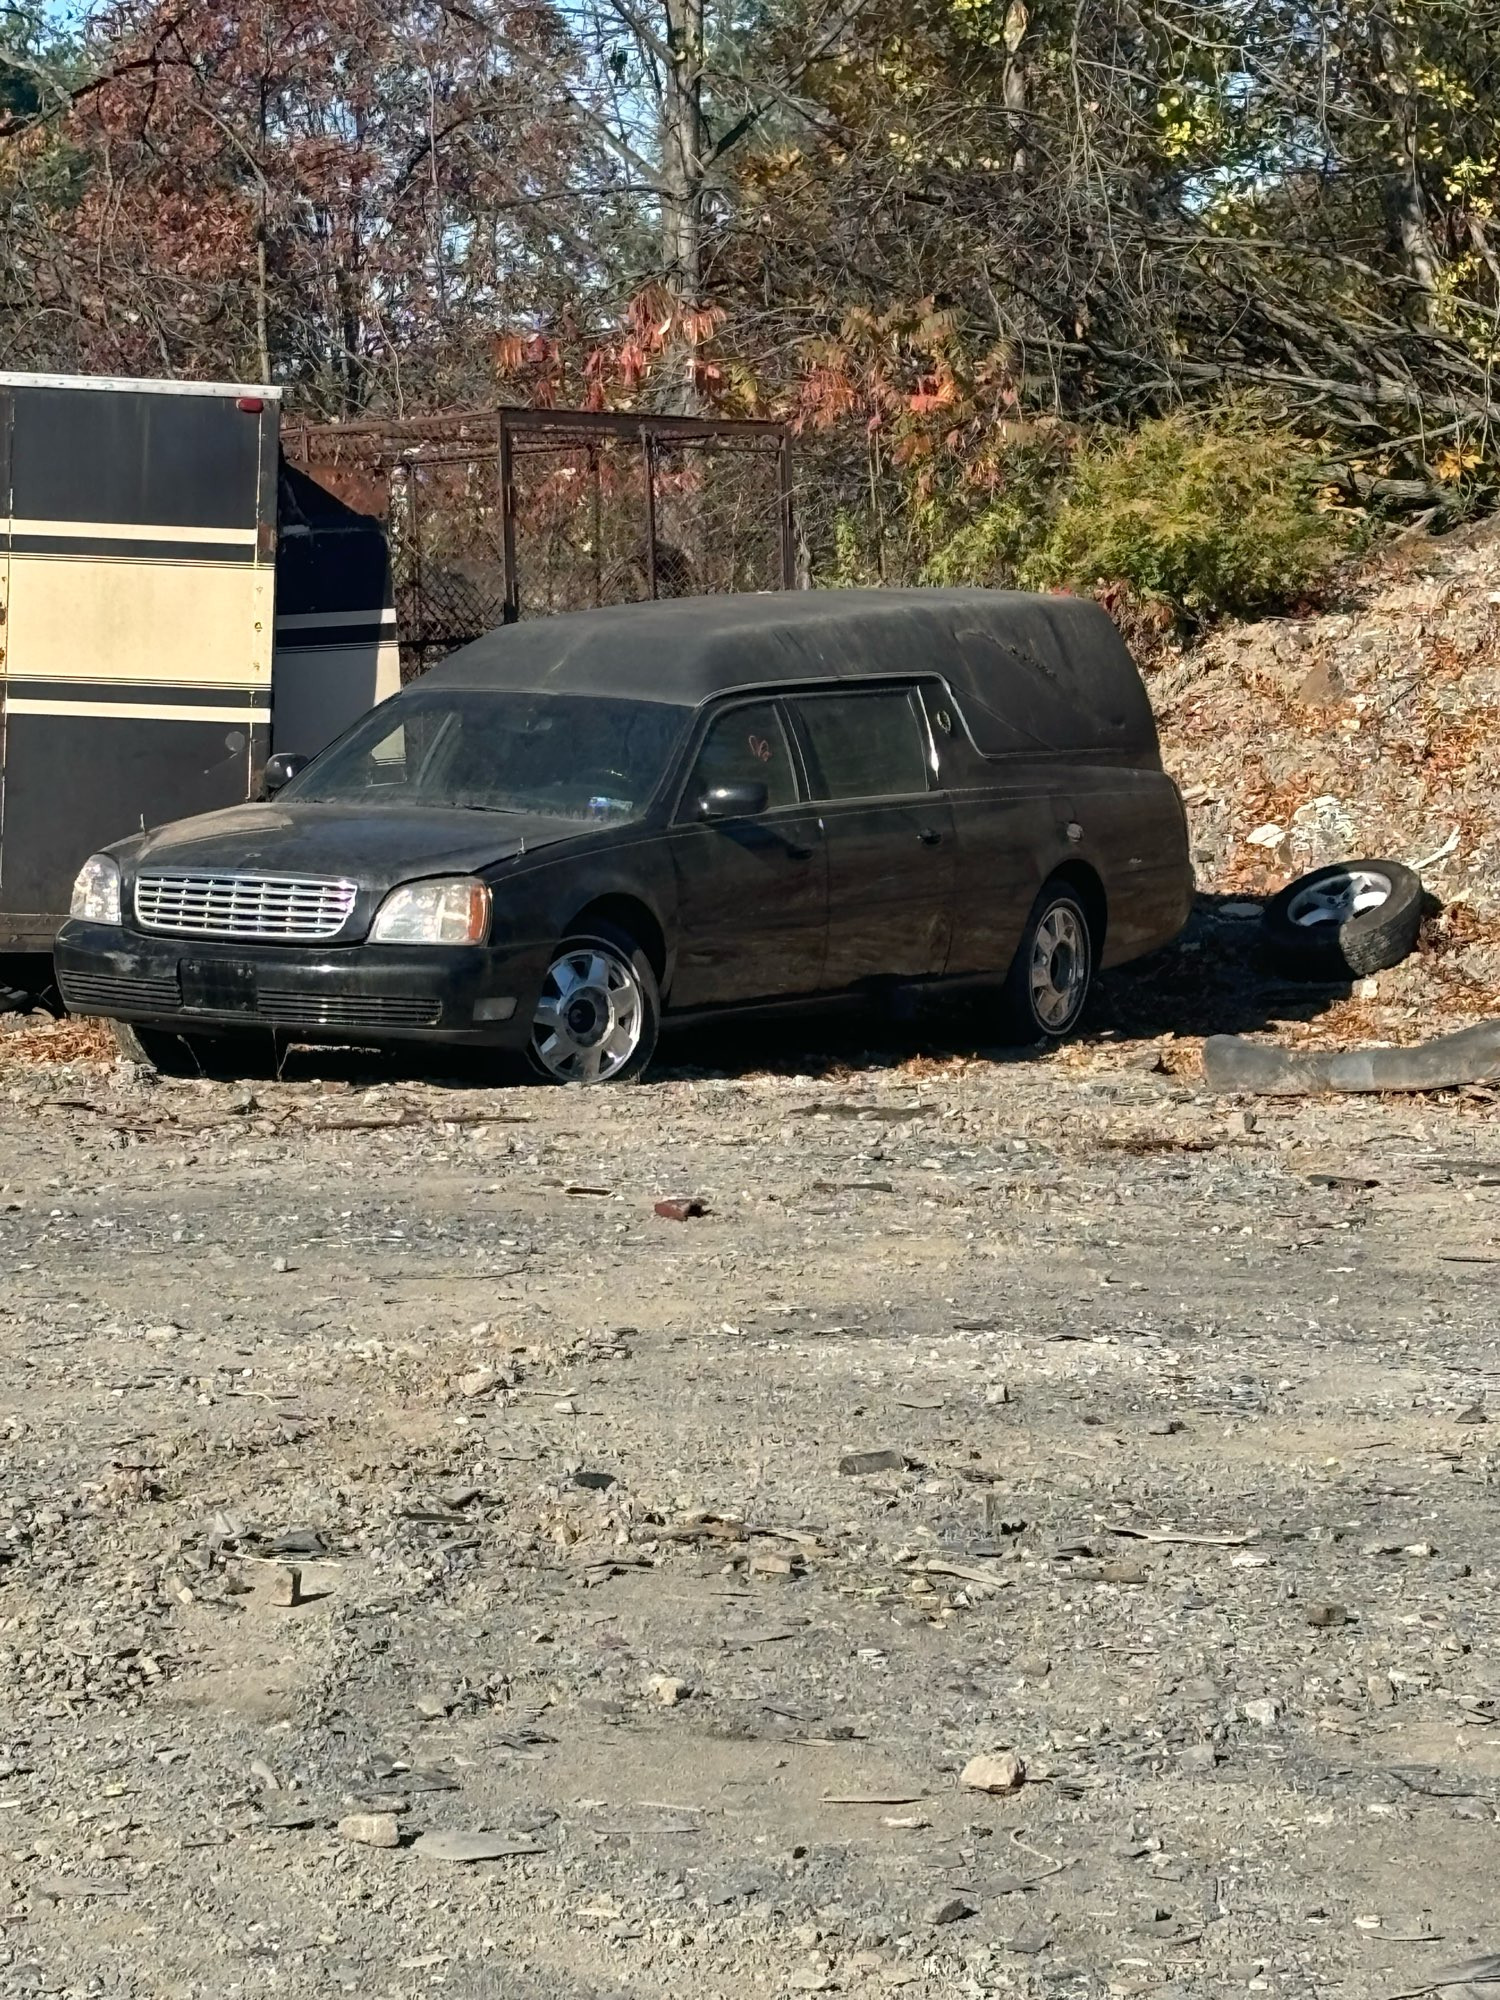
[1089, 890]
[630, 916]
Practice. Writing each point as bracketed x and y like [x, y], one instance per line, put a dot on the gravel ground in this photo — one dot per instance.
[378, 1464]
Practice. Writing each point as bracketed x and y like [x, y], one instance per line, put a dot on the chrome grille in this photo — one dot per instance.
[346, 1010]
[300, 907]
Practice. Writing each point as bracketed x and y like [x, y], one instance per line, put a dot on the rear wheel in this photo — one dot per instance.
[1053, 969]
[171, 1054]
[599, 1013]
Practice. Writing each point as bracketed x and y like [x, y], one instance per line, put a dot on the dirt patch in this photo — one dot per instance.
[578, 1568]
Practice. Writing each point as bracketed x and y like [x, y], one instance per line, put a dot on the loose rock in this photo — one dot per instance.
[995, 1771]
[370, 1829]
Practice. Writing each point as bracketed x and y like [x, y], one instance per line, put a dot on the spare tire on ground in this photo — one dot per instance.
[1345, 921]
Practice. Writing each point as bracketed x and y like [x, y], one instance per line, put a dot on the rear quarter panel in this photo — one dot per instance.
[1134, 836]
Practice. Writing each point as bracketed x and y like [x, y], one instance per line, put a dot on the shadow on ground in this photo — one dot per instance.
[1211, 981]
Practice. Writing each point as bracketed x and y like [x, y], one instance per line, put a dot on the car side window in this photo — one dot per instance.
[863, 746]
[745, 745]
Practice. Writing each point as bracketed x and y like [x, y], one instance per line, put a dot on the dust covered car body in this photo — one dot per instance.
[572, 828]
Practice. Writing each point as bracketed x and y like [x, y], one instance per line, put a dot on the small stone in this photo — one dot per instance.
[289, 1819]
[1265, 1714]
[948, 1910]
[854, 1464]
[280, 1264]
[773, 1563]
[1124, 1572]
[1324, 1615]
[1199, 1757]
[666, 1690]
[565, 1407]
[452, 1845]
[1322, 686]
[286, 1587]
[1240, 1124]
[1474, 1414]
[1382, 1694]
[370, 1830]
[433, 1706]
[477, 1382]
[995, 1771]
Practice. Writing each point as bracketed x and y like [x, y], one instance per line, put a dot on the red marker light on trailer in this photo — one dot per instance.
[251, 404]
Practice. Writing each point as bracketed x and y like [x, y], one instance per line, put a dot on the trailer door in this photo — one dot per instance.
[139, 617]
[10, 939]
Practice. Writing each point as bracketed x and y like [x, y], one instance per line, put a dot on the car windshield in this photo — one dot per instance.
[568, 756]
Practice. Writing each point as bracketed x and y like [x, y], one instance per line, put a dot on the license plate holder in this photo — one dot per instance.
[217, 985]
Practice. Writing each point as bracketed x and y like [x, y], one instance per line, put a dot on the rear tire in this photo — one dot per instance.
[222, 1057]
[1050, 977]
[599, 1013]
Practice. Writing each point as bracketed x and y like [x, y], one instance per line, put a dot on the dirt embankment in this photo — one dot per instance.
[1370, 729]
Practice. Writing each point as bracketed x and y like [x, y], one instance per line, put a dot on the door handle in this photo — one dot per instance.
[930, 837]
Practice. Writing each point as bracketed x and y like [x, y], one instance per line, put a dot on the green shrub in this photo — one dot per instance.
[1212, 515]
[987, 537]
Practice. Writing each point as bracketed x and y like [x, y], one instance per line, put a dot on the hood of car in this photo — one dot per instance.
[376, 848]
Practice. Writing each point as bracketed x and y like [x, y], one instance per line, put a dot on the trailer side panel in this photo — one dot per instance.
[139, 609]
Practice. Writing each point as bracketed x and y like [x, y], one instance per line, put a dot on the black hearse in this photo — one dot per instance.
[571, 828]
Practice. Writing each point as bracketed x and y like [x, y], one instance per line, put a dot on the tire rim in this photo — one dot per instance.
[1337, 898]
[1059, 967]
[591, 1015]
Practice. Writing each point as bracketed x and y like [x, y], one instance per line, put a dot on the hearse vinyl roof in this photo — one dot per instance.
[1038, 673]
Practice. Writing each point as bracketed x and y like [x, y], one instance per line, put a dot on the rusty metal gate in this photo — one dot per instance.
[517, 513]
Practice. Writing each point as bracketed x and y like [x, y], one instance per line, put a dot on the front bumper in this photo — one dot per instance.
[360, 993]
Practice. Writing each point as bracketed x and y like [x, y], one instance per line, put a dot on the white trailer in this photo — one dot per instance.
[175, 604]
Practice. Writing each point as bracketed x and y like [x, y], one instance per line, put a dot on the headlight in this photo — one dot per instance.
[454, 910]
[96, 893]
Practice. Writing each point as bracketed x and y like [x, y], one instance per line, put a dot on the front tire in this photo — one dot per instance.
[1053, 969]
[599, 1013]
[219, 1056]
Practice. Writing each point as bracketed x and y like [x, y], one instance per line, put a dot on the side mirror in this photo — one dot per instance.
[281, 769]
[733, 802]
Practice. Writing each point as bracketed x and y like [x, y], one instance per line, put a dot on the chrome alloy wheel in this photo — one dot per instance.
[1337, 898]
[591, 1016]
[1060, 966]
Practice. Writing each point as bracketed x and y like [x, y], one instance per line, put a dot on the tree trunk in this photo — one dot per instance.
[262, 314]
[1405, 197]
[682, 201]
[1013, 81]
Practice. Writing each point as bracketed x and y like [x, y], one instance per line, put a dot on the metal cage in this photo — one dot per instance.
[515, 513]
